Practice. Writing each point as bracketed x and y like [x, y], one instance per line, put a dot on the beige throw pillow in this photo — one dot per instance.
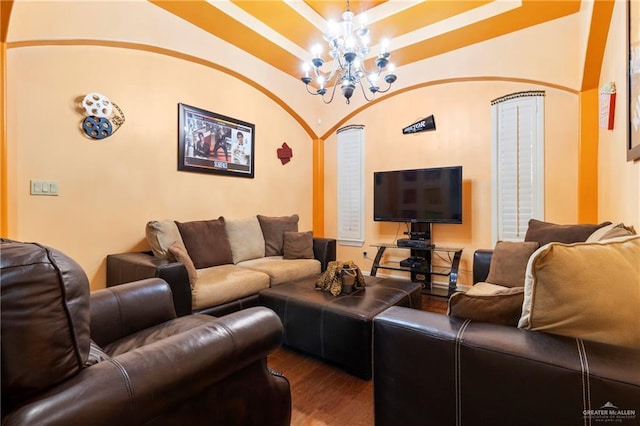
[509, 263]
[614, 230]
[298, 245]
[182, 256]
[619, 231]
[273, 229]
[161, 235]
[488, 303]
[585, 290]
[600, 232]
[245, 237]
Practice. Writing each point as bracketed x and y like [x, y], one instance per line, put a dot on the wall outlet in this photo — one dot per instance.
[364, 254]
[44, 187]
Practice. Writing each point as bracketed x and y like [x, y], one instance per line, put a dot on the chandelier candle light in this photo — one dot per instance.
[348, 48]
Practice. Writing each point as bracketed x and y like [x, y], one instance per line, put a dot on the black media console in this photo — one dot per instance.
[419, 263]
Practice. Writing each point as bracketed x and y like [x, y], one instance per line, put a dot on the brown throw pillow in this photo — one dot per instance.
[488, 303]
[509, 263]
[206, 242]
[546, 232]
[273, 229]
[182, 256]
[298, 245]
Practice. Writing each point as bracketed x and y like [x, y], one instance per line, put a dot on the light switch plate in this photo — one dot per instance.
[44, 187]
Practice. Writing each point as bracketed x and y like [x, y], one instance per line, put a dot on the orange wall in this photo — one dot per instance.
[110, 188]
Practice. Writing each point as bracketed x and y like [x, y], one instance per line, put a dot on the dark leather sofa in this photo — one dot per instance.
[127, 267]
[120, 356]
[432, 369]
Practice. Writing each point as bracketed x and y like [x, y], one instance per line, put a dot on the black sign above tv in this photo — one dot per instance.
[420, 195]
[423, 125]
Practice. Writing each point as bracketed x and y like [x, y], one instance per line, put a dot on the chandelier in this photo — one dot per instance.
[349, 48]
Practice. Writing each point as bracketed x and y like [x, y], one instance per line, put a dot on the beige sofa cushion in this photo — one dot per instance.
[585, 290]
[226, 283]
[245, 237]
[488, 303]
[509, 263]
[281, 270]
[161, 235]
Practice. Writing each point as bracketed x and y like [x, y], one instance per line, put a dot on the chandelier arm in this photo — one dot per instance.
[333, 78]
[385, 90]
[327, 77]
[333, 92]
[331, 75]
[337, 66]
[310, 92]
[364, 93]
[318, 73]
[368, 74]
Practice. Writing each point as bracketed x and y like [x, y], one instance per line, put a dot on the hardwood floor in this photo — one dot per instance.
[322, 394]
[434, 304]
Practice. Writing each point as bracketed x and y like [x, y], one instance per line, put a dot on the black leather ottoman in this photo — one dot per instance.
[337, 329]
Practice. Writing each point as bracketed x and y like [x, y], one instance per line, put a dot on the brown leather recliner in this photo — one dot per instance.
[120, 356]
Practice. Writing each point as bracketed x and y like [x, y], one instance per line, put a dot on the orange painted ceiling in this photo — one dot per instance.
[281, 33]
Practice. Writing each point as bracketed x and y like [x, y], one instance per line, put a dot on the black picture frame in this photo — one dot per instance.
[633, 89]
[214, 143]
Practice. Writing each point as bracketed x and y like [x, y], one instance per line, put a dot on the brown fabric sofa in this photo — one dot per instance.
[120, 356]
[219, 266]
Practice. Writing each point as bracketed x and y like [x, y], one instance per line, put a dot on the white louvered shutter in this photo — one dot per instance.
[518, 169]
[351, 185]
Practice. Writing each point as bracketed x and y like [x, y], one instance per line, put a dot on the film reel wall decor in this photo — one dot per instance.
[104, 117]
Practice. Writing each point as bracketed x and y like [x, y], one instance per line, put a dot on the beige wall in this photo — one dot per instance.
[462, 113]
[110, 188]
[618, 179]
[524, 56]
[463, 136]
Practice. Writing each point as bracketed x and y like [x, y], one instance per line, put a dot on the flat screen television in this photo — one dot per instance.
[420, 195]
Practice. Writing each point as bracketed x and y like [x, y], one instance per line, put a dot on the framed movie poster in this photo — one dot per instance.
[213, 143]
[633, 13]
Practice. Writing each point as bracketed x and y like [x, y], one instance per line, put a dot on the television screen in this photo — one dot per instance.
[420, 195]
